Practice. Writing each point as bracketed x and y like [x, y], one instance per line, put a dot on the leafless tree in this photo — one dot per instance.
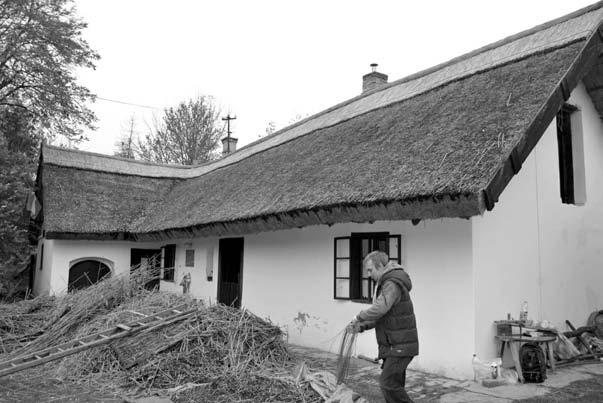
[126, 145]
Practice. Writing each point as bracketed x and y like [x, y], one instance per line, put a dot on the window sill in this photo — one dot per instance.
[358, 301]
[362, 301]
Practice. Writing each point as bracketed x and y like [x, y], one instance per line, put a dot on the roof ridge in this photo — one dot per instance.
[422, 73]
[115, 157]
[494, 45]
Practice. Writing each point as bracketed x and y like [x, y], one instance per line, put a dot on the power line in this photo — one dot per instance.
[127, 103]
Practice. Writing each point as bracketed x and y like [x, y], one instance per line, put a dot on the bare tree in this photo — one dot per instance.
[187, 134]
[126, 145]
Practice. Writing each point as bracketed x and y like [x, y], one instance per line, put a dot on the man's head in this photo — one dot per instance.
[375, 263]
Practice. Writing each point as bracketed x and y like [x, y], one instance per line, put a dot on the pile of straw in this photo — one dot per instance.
[22, 322]
[227, 354]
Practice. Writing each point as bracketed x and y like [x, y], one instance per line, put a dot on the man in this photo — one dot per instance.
[393, 318]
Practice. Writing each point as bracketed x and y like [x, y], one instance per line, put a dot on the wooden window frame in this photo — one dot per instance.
[336, 258]
[355, 277]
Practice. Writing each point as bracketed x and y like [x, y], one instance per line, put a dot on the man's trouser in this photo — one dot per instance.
[393, 379]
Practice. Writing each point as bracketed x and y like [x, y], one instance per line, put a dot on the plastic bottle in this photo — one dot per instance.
[523, 314]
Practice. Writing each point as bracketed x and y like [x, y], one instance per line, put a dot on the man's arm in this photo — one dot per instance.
[390, 294]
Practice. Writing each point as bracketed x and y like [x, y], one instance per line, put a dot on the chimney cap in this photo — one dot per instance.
[374, 67]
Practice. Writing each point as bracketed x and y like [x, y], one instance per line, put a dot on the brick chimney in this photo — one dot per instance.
[373, 80]
[229, 145]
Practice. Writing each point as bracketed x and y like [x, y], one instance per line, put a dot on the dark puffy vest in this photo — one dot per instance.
[397, 330]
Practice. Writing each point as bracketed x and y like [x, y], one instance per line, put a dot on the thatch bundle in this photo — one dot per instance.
[226, 353]
[22, 322]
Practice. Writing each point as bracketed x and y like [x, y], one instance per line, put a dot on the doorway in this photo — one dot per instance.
[230, 278]
[148, 259]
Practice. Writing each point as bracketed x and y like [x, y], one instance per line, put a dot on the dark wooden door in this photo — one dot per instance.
[152, 257]
[230, 275]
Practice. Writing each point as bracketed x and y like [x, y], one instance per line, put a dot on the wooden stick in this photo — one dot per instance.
[584, 343]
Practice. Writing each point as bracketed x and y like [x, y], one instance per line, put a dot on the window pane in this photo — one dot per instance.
[342, 288]
[394, 247]
[190, 258]
[363, 271]
[364, 247]
[365, 289]
[343, 248]
[343, 268]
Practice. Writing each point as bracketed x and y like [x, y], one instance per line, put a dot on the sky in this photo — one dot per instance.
[274, 61]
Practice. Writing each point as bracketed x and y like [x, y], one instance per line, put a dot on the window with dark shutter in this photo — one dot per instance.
[351, 281]
[566, 163]
[169, 262]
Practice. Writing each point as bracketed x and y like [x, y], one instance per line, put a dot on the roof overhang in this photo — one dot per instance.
[427, 207]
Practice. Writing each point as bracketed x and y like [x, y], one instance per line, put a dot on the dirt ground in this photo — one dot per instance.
[587, 391]
[35, 385]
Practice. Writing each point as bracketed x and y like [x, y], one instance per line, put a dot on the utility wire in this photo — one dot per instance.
[127, 103]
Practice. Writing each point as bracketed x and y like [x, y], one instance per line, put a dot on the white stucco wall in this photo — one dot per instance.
[532, 247]
[61, 253]
[288, 277]
[201, 287]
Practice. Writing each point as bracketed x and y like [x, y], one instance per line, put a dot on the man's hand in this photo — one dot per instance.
[353, 326]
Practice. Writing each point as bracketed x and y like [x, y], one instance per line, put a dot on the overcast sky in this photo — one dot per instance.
[274, 60]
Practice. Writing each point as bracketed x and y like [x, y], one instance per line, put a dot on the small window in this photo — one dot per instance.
[85, 273]
[351, 280]
[190, 258]
[572, 180]
[169, 262]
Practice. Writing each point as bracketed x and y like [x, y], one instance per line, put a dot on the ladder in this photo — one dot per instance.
[147, 322]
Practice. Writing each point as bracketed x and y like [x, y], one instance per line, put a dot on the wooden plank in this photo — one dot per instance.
[515, 354]
[579, 337]
[549, 347]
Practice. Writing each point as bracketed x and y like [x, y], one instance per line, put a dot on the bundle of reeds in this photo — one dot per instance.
[21, 322]
[346, 348]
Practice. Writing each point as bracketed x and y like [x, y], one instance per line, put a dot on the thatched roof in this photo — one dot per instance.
[440, 143]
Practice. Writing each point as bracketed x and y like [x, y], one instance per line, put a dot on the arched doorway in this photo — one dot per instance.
[85, 273]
